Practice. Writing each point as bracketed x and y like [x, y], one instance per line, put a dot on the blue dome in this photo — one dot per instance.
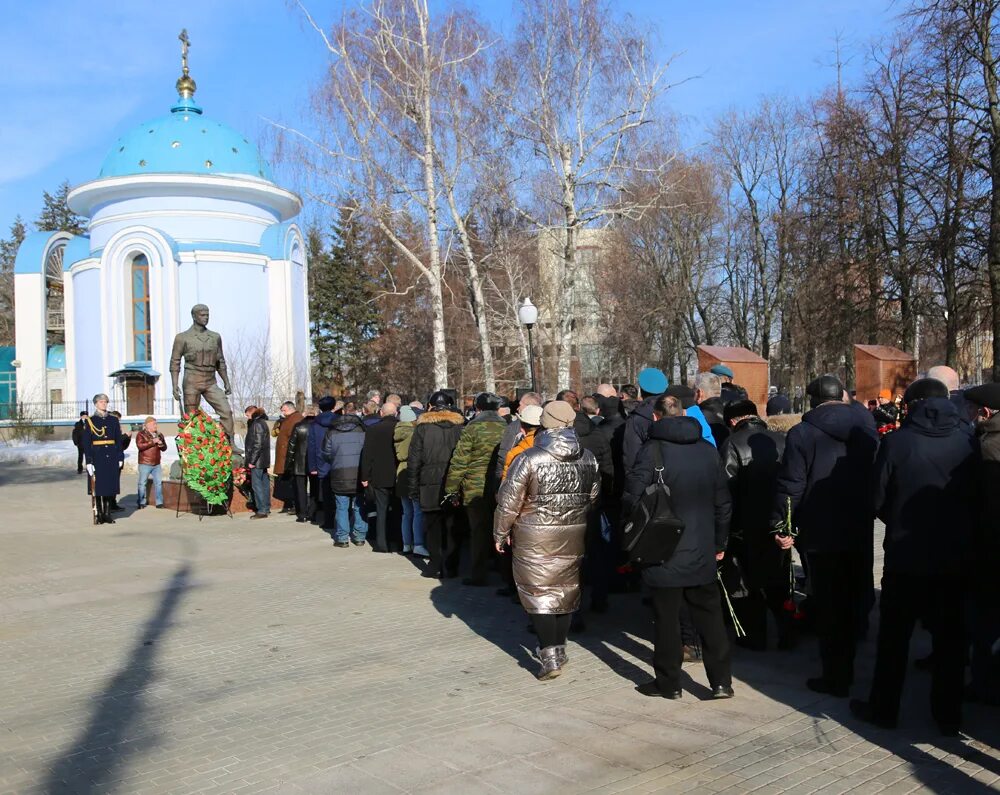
[184, 142]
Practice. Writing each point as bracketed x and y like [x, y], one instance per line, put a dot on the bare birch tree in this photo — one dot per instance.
[573, 93]
[378, 109]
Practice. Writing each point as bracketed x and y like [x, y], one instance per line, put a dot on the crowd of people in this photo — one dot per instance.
[544, 492]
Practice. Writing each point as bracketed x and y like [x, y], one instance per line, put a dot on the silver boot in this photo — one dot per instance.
[551, 663]
[563, 657]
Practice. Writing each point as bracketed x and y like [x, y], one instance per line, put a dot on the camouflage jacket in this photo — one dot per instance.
[474, 454]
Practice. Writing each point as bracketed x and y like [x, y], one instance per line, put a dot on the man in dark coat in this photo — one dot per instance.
[78, 441]
[511, 436]
[101, 441]
[257, 454]
[700, 497]
[652, 384]
[925, 490]
[284, 483]
[612, 428]
[319, 469]
[708, 397]
[751, 457]
[599, 558]
[966, 409]
[824, 477]
[434, 438]
[378, 471]
[342, 445]
[985, 684]
[297, 465]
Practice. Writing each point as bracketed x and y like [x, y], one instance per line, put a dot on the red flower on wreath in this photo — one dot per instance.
[207, 470]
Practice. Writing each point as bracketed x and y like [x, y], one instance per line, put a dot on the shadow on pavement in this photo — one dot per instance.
[16, 474]
[114, 731]
[612, 639]
[607, 637]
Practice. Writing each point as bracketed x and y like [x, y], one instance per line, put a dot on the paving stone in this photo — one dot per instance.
[164, 654]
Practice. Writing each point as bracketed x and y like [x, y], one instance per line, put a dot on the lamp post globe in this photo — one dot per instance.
[527, 314]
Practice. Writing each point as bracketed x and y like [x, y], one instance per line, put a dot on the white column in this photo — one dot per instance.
[69, 316]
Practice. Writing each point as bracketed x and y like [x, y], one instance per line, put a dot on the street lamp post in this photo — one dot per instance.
[527, 313]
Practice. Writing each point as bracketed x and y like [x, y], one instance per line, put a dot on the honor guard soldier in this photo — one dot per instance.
[101, 441]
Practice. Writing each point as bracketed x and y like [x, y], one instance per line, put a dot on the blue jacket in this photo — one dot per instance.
[314, 449]
[706, 429]
[342, 446]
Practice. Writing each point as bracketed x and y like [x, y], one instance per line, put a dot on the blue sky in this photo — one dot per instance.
[80, 74]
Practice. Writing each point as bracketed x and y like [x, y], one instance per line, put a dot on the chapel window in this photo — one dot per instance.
[140, 309]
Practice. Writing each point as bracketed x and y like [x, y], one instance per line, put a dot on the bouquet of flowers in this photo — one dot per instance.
[206, 455]
[241, 482]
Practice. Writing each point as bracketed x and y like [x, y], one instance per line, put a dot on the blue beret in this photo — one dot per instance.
[653, 381]
[722, 370]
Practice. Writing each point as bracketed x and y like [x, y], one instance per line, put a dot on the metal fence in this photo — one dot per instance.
[45, 410]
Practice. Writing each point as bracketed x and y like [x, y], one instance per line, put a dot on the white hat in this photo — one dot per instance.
[530, 415]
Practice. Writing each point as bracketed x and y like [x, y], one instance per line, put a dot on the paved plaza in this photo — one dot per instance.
[173, 655]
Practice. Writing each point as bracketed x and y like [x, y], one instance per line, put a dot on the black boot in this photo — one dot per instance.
[108, 501]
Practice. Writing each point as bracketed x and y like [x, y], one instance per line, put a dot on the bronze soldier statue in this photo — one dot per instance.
[201, 351]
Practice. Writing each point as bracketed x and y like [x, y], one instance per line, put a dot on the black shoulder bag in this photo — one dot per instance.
[652, 530]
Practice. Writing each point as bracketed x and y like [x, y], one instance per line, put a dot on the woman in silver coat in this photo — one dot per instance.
[542, 513]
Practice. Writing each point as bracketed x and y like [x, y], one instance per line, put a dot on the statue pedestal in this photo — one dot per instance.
[179, 497]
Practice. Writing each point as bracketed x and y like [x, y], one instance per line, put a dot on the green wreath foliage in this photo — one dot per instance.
[206, 456]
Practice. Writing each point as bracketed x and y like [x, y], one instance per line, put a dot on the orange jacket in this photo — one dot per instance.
[526, 443]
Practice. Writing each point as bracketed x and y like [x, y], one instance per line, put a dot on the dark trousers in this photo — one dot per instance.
[984, 630]
[705, 606]
[752, 612]
[552, 629]
[329, 505]
[839, 601]
[383, 501]
[479, 513]
[442, 542]
[79, 460]
[936, 602]
[599, 560]
[302, 507]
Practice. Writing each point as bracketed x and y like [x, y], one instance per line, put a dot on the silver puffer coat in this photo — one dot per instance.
[542, 506]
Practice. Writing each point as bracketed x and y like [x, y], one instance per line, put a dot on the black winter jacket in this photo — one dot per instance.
[712, 409]
[297, 457]
[751, 457]
[699, 496]
[434, 440]
[987, 543]
[378, 458]
[612, 428]
[342, 447]
[926, 492]
[636, 432]
[826, 473]
[591, 439]
[257, 445]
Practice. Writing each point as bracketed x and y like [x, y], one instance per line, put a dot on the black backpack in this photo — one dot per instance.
[653, 530]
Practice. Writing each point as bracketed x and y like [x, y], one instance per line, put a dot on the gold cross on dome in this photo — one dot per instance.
[185, 44]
